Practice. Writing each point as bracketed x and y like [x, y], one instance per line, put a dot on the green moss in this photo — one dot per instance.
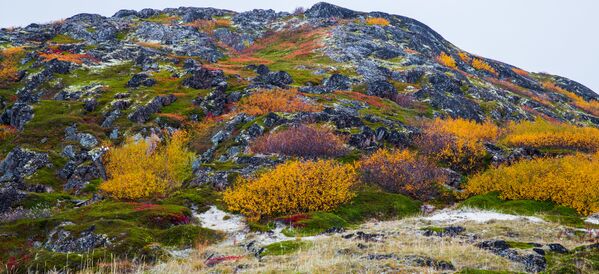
[188, 235]
[201, 198]
[255, 226]
[45, 200]
[520, 245]
[64, 39]
[368, 204]
[285, 247]
[481, 271]
[545, 209]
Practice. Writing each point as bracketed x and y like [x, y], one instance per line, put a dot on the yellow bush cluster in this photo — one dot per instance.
[446, 60]
[148, 169]
[293, 187]
[457, 142]
[377, 21]
[464, 57]
[544, 134]
[9, 61]
[482, 65]
[571, 181]
[279, 100]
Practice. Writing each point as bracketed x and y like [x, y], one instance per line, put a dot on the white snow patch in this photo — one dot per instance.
[593, 219]
[479, 216]
[216, 219]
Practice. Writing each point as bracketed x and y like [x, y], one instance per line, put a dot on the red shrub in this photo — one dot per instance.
[402, 172]
[309, 141]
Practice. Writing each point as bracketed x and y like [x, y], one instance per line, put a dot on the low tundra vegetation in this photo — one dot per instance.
[293, 187]
[147, 169]
[9, 62]
[544, 134]
[279, 100]
[402, 171]
[571, 180]
[308, 141]
[458, 143]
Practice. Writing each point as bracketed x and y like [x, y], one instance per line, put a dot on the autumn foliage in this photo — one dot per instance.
[545, 134]
[377, 21]
[293, 187]
[457, 142]
[309, 141]
[278, 100]
[66, 56]
[571, 181]
[402, 171]
[446, 60]
[591, 106]
[482, 65]
[9, 62]
[210, 25]
[147, 169]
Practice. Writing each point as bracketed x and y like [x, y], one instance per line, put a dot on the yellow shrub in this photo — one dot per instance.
[457, 142]
[446, 60]
[279, 100]
[571, 181]
[293, 187]
[544, 134]
[9, 61]
[377, 21]
[147, 169]
[482, 65]
[465, 57]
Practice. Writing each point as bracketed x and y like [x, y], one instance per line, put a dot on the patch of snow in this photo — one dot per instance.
[479, 216]
[217, 219]
[592, 219]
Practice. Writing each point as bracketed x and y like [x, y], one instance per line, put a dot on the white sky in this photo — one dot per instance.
[556, 36]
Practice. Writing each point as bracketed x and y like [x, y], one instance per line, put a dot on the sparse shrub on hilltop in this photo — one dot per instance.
[377, 21]
[278, 100]
[482, 65]
[571, 181]
[293, 187]
[148, 169]
[591, 106]
[458, 143]
[447, 60]
[309, 141]
[545, 134]
[402, 171]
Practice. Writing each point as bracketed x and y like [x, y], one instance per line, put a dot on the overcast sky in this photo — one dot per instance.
[555, 36]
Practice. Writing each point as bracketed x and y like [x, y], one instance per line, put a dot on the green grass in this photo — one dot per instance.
[64, 39]
[520, 245]
[545, 209]
[368, 204]
[580, 260]
[481, 271]
[201, 198]
[285, 247]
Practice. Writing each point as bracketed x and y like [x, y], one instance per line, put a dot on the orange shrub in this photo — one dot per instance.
[310, 141]
[200, 134]
[591, 107]
[570, 181]
[482, 65]
[9, 63]
[6, 132]
[76, 58]
[148, 169]
[278, 100]
[293, 187]
[544, 134]
[465, 57]
[446, 60]
[210, 25]
[457, 142]
[377, 21]
[402, 171]
[153, 45]
[520, 72]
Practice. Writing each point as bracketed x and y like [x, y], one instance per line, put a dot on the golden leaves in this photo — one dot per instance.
[293, 187]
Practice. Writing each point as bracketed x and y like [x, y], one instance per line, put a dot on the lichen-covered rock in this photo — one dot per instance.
[142, 113]
[63, 240]
[20, 163]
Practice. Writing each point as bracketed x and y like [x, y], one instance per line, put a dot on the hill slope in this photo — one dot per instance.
[71, 89]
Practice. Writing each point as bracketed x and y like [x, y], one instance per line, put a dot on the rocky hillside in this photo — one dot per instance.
[91, 105]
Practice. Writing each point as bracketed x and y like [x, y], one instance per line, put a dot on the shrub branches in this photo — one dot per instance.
[279, 100]
[544, 134]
